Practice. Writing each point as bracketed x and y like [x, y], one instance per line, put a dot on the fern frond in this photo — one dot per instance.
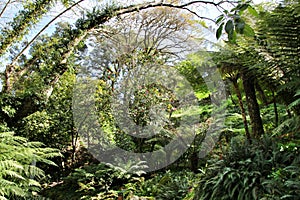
[294, 103]
[33, 171]
[8, 164]
[5, 183]
[289, 125]
[12, 174]
[16, 168]
[34, 183]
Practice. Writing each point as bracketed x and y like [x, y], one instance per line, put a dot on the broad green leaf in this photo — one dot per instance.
[229, 27]
[219, 31]
[248, 31]
[232, 37]
[252, 11]
[239, 26]
[254, 193]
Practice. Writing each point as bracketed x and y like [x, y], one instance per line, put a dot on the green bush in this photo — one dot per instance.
[99, 181]
[95, 181]
[165, 185]
[265, 169]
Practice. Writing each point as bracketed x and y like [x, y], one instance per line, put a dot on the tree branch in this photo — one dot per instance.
[90, 24]
[42, 30]
[4, 8]
[134, 8]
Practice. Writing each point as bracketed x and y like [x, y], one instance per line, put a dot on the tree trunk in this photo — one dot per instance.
[275, 110]
[241, 105]
[253, 107]
[194, 161]
[262, 94]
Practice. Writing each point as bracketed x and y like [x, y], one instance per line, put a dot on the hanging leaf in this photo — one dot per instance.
[239, 26]
[219, 19]
[229, 27]
[243, 7]
[219, 31]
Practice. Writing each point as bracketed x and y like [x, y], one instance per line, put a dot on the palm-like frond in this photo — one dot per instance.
[18, 174]
[279, 40]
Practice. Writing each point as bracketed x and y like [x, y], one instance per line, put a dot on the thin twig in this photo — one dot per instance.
[194, 13]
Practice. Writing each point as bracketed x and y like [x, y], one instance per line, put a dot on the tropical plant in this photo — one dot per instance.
[95, 181]
[20, 174]
[252, 171]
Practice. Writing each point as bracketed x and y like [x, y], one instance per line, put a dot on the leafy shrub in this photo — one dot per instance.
[95, 181]
[261, 170]
[165, 185]
[99, 181]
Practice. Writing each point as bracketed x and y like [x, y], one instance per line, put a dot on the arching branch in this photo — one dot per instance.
[42, 30]
[129, 9]
[85, 26]
[22, 22]
[4, 8]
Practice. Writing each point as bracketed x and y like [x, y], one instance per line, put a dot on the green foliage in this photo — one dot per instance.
[96, 181]
[165, 185]
[252, 171]
[146, 98]
[234, 22]
[189, 70]
[24, 20]
[269, 120]
[268, 168]
[19, 174]
[99, 181]
[278, 38]
[288, 129]
[52, 125]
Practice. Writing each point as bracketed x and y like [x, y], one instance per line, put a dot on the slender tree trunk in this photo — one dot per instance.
[231, 98]
[75, 135]
[253, 107]
[261, 94]
[241, 105]
[275, 110]
[194, 161]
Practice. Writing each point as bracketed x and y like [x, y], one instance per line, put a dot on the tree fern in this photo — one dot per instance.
[279, 39]
[18, 175]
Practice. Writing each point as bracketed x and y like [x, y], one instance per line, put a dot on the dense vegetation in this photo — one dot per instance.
[131, 78]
